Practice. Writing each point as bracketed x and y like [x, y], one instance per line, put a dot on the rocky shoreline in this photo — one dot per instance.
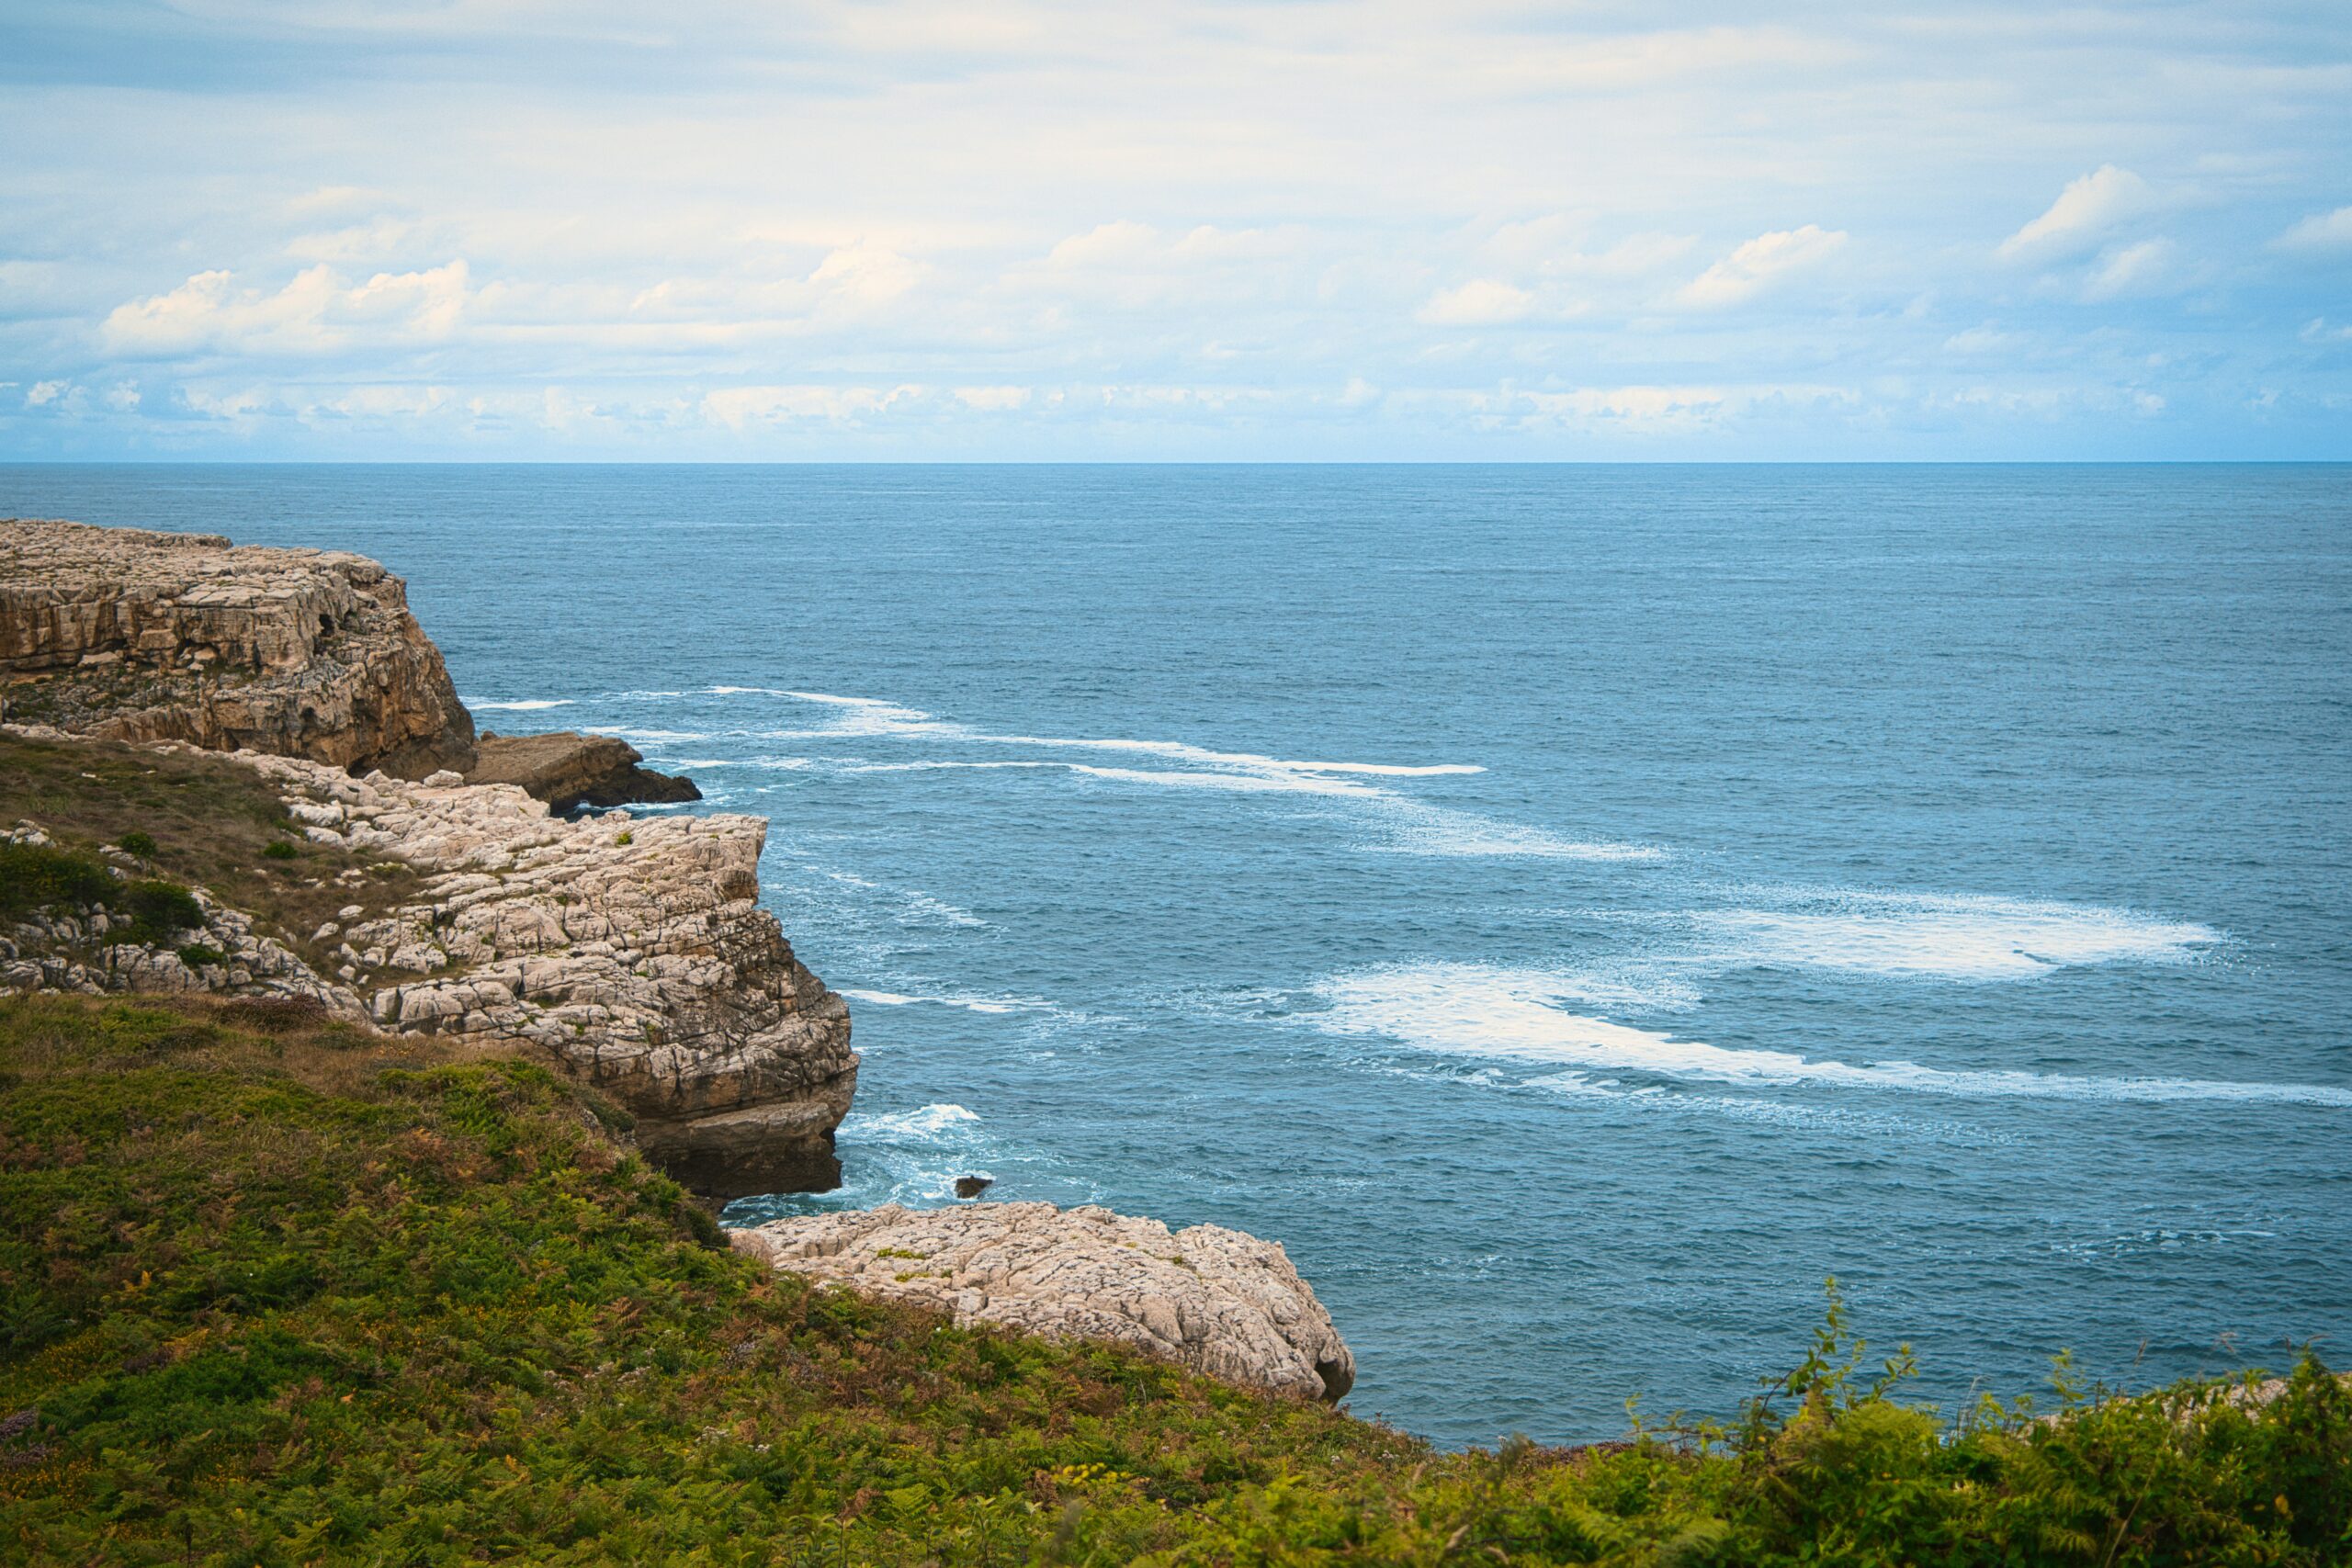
[630, 953]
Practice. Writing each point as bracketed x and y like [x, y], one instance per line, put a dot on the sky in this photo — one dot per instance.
[1315, 230]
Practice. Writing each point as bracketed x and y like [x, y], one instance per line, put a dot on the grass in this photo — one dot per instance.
[278, 1291]
[194, 819]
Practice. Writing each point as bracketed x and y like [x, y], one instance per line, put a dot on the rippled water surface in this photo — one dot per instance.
[1573, 910]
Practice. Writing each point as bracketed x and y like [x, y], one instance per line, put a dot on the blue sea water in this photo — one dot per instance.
[1573, 910]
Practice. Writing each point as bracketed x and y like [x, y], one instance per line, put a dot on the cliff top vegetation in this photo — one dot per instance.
[275, 1290]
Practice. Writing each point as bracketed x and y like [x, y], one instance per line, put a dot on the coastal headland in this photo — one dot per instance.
[341, 1093]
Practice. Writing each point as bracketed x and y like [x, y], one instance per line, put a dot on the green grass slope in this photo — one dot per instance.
[273, 1290]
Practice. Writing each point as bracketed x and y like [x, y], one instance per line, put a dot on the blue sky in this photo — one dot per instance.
[1315, 230]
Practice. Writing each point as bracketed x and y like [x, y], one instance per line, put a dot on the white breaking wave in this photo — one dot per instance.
[1246, 783]
[1416, 828]
[928, 1123]
[657, 734]
[1514, 1014]
[969, 1004]
[528, 704]
[1407, 826]
[1952, 938]
[873, 715]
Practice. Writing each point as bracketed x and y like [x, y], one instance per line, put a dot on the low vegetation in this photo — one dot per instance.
[193, 819]
[276, 1289]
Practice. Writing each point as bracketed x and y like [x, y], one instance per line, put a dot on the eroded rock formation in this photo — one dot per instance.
[570, 770]
[632, 953]
[1216, 1300]
[139, 636]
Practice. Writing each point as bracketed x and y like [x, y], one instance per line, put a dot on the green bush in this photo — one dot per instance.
[158, 908]
[39, 877]
[137, 843]
[195, 955]
[280, 849]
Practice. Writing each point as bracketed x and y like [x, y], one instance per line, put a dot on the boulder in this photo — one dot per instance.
[1216, 1300]
[571, 771]
[133, 635]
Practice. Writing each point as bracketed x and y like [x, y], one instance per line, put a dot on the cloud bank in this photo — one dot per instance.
[1359, 229]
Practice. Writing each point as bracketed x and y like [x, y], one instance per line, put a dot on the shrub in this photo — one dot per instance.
[36, 876]
[158, 908]
[280, 849]
[195, 955]
[136, 842]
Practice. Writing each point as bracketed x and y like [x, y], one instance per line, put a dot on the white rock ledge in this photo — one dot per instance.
[1216, 1300]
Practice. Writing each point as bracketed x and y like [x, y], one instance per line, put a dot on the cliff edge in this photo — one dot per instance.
[133, 635]
[632, 954]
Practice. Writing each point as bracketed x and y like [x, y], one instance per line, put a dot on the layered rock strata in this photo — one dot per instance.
[571, 772]
[1214, 1300]
[632, 953]
[138, 635]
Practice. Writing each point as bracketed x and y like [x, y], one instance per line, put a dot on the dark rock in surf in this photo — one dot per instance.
[572, 772]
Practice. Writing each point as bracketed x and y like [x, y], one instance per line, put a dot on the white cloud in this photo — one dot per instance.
[317, 311]
[236, 408]
[1356, 205]
[360, 242]
[123, 397]
[2084, 211]
[858, 276]
[1760, 262]
[1634, 405]
[744, 408]
[1481, 302]
[41, 394]
[992, 400]
[1983, 340]
[387, 401]
[2132, 269]
[2320, 231]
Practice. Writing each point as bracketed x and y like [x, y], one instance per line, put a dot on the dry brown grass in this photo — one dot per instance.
[212, 822]
[286, 1036]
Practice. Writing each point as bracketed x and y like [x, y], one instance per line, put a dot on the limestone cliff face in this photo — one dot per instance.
[138, 635]
[1219, 1300]
[632, 951]
[632, 954]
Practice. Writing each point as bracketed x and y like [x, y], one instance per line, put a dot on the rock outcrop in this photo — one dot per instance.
[85, 950]
[570, 770]
[632, 953]
[1216, 1300]
[138, 635]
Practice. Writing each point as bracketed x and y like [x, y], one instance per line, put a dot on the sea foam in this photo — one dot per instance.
[1952, 938]
[1516, 1015]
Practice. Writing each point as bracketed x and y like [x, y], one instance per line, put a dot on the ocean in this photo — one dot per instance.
[1576, 910]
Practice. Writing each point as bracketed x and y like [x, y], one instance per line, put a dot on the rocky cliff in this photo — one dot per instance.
[1218, 1300]
[138, 635]
[632, 953]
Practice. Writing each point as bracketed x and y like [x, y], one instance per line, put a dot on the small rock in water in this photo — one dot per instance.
[973, 1186]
